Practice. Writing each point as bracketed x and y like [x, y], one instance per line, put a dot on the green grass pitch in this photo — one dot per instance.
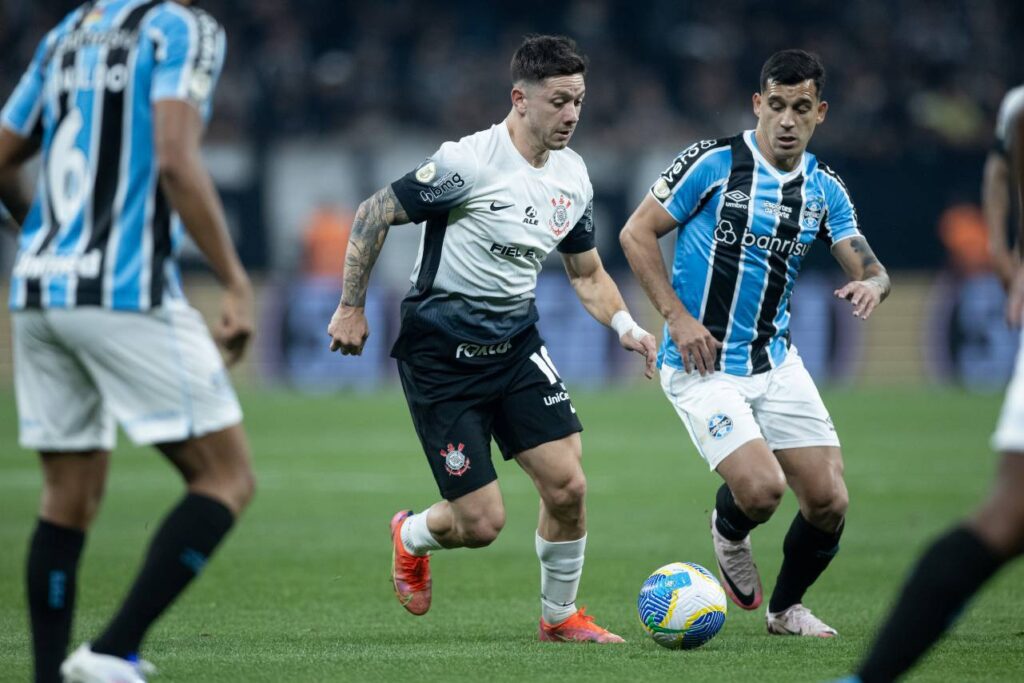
[300, 592]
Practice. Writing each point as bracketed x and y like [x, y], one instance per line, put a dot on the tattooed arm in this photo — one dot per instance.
[869, 281]
[348, 329]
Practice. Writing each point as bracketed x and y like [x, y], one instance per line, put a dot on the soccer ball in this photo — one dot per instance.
[681, 606]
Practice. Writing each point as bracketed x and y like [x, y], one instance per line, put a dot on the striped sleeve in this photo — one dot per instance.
[683, 186]
[190, 48]
[22, 111]
[841, 217]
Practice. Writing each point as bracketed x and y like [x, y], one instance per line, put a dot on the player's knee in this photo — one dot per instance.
[566, 498]
[481, 532]
[73, 505]
[827, 509]
[760, 499]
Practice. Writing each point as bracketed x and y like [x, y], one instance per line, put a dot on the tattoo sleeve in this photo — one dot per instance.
[369, 229]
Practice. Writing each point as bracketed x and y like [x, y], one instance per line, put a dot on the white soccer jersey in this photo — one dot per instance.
[1011, 107]
[490, 221]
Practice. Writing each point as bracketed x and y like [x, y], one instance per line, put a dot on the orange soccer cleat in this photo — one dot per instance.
[579, 628]
[410, 573]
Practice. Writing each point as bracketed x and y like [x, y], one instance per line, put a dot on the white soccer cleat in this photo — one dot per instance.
[736, 567]
[86, 666]
[798, 621]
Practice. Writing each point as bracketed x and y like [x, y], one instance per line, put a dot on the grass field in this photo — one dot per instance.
[301, 593]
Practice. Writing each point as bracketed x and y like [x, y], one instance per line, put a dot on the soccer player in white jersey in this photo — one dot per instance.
[470, 359]
[116, 98]
[747, 210]
[957, 564]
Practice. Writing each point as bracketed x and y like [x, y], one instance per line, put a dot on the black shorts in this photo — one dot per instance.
[520, 401]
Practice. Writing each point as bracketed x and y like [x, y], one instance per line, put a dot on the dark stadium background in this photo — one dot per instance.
[323, 102]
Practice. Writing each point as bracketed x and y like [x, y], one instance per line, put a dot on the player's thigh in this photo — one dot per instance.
[815, 473]
[716, 412]
[217, 464]
[1009, 434]
[481, 512]
[60, 407]
[535, 410]
[453, 421]
[790, 410]
[159, 371]
[556, 469]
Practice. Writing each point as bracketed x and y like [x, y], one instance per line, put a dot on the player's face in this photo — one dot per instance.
[786, 118]
[553, 109]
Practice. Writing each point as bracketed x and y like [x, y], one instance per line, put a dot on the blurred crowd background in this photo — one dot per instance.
[324, 101]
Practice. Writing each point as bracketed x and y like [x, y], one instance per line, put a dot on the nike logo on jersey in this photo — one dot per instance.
[495, 206]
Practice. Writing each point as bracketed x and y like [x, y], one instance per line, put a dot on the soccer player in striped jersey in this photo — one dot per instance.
[115, 100]
[747, 209]
[957, 564]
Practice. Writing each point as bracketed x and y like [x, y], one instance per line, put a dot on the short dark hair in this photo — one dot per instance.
[790, 67]
[541, 57]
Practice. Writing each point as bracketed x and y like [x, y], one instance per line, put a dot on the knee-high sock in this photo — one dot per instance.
[561, 565]
[180, 548]
[807, 550]
[51, 573]
[952, 570]
[732, 522]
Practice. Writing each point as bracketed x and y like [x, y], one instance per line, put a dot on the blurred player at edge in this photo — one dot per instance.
[116, 98]
[959, 562]
[747, 209]
[471, 361]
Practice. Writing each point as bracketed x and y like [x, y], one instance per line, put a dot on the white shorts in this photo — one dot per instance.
[157, 373]
[722, 412]
[1009, 434]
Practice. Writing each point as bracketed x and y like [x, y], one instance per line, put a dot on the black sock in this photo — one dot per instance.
[180, 548]
[946, 576]
[807, 550]
[51, 570]
[732, 522]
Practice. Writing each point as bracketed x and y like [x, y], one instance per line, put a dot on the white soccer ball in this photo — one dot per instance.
[681, 606]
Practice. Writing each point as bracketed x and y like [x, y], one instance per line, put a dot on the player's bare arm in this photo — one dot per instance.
[995, 204]
[639, 239]
[602, 299]
[348, 328]
[869, 281]
[190, 190]
[15, 150]
[1015, 304]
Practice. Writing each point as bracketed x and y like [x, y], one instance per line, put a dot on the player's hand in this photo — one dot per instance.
[235, 327]
[696, 345]
[641, 341]
[865, 295]
[1015, 299]
[348, 330]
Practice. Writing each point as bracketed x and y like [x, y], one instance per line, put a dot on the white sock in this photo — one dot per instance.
[561, 564]
[416, 537]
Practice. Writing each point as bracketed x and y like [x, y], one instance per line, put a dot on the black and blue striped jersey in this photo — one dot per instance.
[100, 231]
[744, 229]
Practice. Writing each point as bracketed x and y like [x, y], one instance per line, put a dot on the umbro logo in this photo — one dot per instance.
[495, 206]
[737, 199]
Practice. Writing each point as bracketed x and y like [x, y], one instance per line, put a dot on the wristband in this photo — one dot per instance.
[623, 323]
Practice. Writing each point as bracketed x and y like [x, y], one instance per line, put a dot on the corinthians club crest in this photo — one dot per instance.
[559, 221]
[455, 461]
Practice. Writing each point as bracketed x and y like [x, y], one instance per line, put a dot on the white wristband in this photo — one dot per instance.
[622, 322]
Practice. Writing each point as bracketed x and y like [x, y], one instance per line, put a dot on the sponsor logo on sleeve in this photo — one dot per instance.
[426, 172]
[440, 188]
